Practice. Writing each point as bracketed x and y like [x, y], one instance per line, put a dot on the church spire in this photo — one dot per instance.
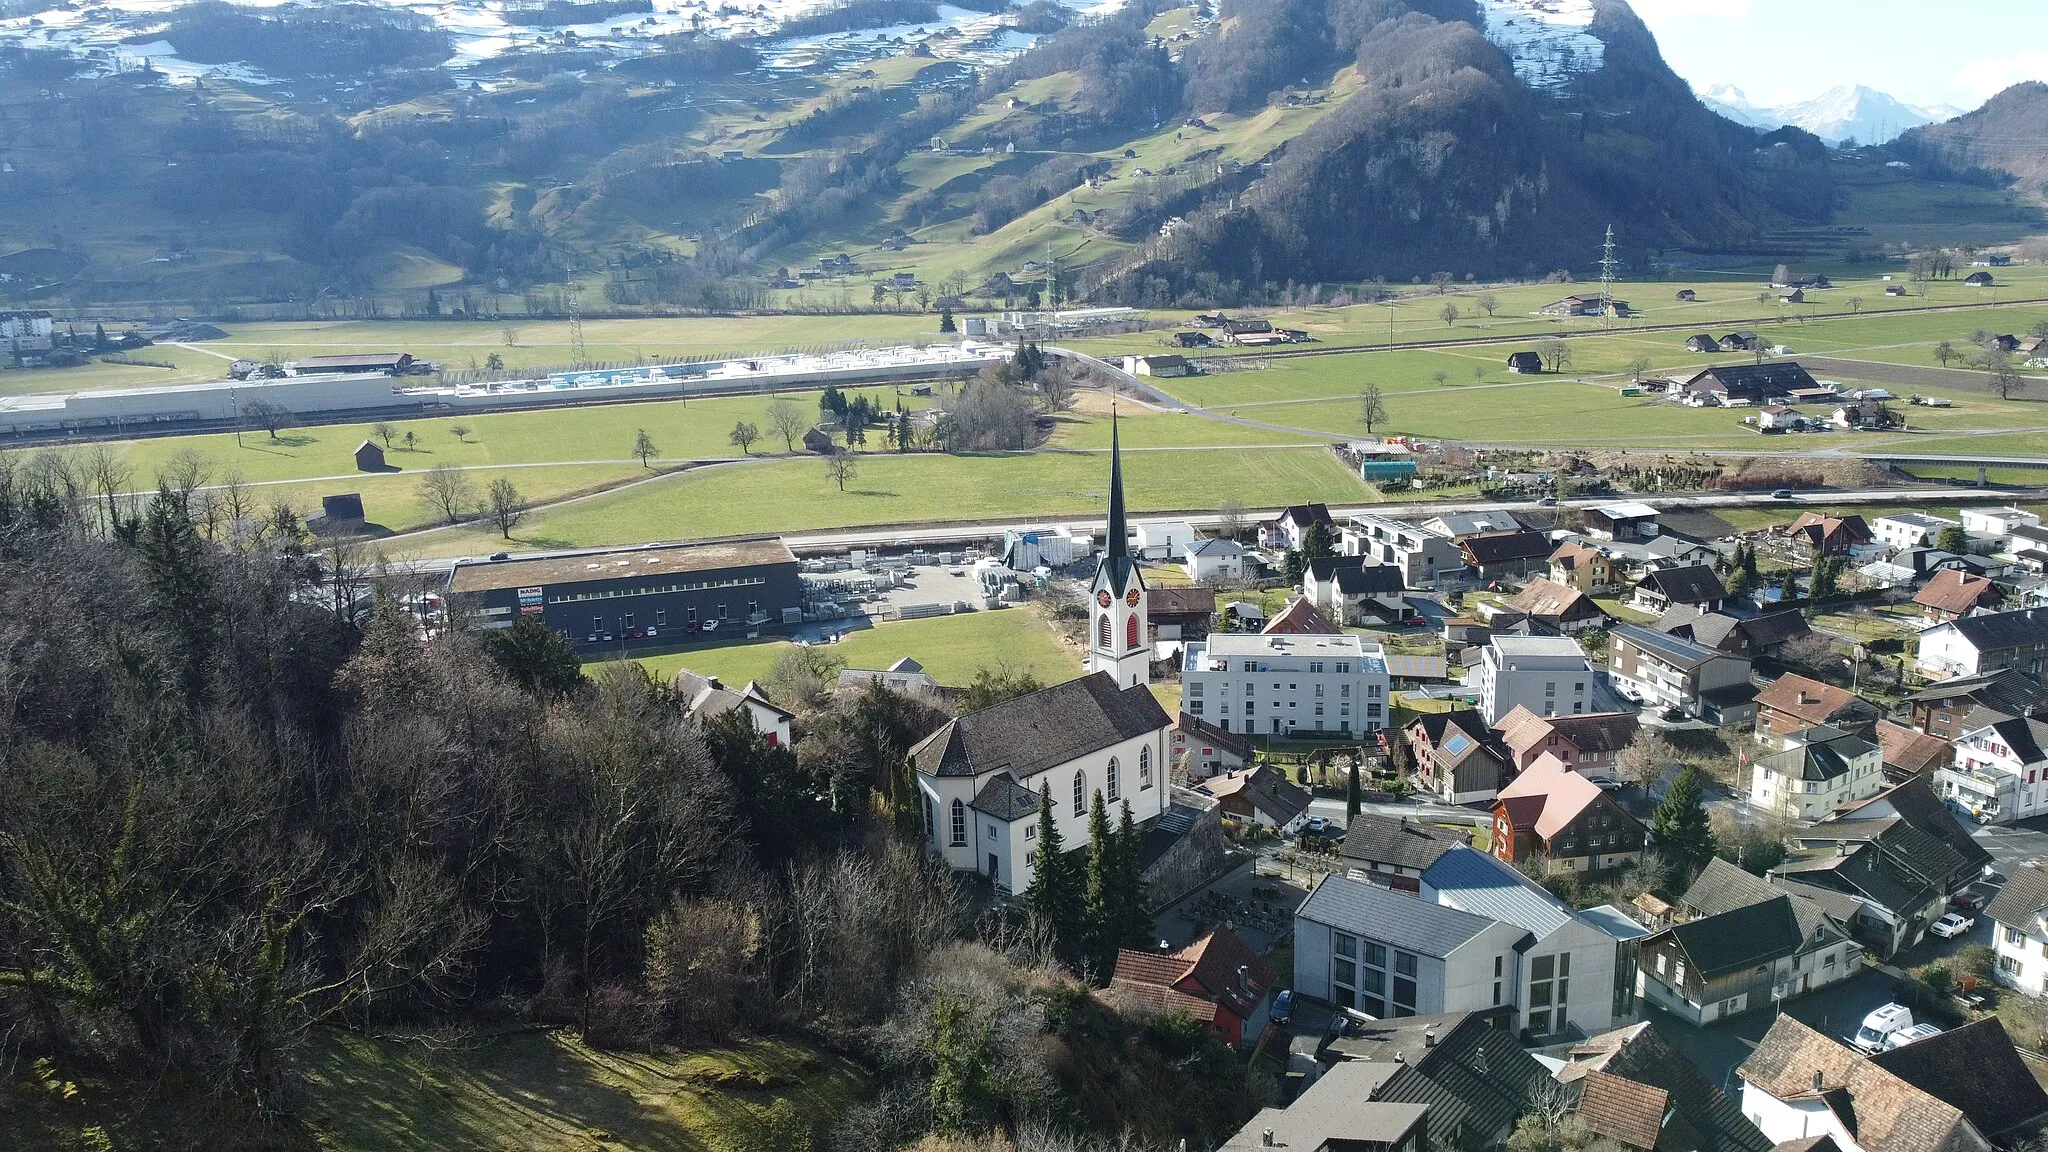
[1115, 557]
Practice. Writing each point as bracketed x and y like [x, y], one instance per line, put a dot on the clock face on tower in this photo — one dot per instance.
[1103, 598]
[1131, 598]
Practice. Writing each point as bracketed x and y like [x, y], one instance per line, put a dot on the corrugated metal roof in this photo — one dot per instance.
[1383, 914]
[1472, 881]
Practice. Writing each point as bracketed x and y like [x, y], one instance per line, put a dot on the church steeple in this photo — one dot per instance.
[1122, 643]
[1116, 555]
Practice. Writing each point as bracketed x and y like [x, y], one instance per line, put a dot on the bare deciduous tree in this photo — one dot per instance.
[384, 432]
[506, 507]
[842, 466]
[449, 491]
[1372, 409]
[786, 419]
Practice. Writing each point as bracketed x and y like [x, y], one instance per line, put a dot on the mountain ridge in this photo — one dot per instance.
[1849, 111]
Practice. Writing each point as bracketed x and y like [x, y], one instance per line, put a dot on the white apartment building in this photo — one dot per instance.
[1548, 675]
[1286, 685]
[2000, 773]
[1910, 529]
[1998, 521]
[1419, 553]
[1818, 771]
[1165, 539]
[1215, 561]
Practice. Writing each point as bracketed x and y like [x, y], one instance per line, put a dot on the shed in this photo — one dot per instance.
[1687, 294]
[348, 506]
[1979, 280]
[1527, 363]
[818, 440]
[369, 457]
[1702, 343]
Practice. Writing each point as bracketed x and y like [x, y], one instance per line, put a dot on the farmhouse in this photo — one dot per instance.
[1525, 363]
[1594, 305]
[620, 597]
[1952, 594]
[1741, 342]
[1825, 535]
[1587, 744]
[1563, 822]
[1169, 364]
[1457, 758]
[1748, 383]
[1746, 958]
[1561, 606]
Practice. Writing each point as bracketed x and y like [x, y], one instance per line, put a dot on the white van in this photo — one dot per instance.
[1881, 1024]
[1905, 1036]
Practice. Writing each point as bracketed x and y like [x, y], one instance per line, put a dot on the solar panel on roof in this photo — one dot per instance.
[1457, 744]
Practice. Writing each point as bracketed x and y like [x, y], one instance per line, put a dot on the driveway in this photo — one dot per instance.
[1719, 1049]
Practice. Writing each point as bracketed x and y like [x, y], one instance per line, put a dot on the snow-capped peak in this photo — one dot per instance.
[1851, 111]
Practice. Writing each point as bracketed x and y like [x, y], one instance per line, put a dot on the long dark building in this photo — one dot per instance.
[659, 593]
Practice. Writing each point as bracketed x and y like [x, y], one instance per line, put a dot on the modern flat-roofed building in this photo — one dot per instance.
[624, 596]
[1420, 554]
[1282, 684]
[1548, 675]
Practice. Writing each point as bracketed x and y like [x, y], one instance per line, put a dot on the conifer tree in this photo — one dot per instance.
[1680, 823]
[1102, 903]
[1053, 904]
[1134, 916]
[1354, 798]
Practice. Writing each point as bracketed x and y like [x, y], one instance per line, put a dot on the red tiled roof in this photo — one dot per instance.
[1811, 701]
[1958, 593]
[1911, 751]
[1564, 795]
[1622, 1110]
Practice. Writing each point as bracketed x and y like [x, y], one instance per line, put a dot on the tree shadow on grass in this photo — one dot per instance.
[874, 493]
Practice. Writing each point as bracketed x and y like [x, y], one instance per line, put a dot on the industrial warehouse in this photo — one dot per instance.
[656, 592]
[319, 390]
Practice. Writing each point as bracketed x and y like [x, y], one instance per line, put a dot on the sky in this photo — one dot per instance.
[1958, 52]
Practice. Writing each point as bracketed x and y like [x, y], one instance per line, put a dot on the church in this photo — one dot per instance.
[981, 776]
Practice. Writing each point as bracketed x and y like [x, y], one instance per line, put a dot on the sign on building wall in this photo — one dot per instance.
[531, 600]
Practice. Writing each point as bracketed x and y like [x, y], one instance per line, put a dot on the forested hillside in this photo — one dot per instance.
[2002, 137]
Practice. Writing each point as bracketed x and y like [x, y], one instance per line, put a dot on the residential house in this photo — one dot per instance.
[1217, 980]
[1164, 539]
[1338, 1112]
[1695, 586]
[1908, 753]
[1910, 529]
[1506, 555]
[1560, 821]
[1734, 384]
[1548, 675]
[1260, 795]
[2028, 544]
[1818, 771]
[1466, 1066]
[1722, 887]
[1291, 685]
[1560, 606]
[1940, 708]
[1666, 672]
[1998, 521]
[1590, 744]
[1745, 958]
[1581, 566]
[1899, 855]
[1964, 1090]
[1702, 343]
[1393, 851]
[1953, 594]
[1779, 418]
[1458, 525]
[1457, 758]
[1990, 642]
[1215, 561]
[1581, 946]
[704, 697]
[980, 776]
[1289, 528]
[905, 675]
[1662, 1101]
[1348, 589]
[1825, 535]
[1793, 703]
[1760, 636]
[2019, 917]
[1628, 521]
[1199, 750]
[1525, 363]
[1420, 554]
[2000, 773]
[1301, 617]
[27, 332]
[1369, 948]
[1665, 550]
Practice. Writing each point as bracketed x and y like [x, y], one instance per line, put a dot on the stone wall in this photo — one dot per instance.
[1185, 848]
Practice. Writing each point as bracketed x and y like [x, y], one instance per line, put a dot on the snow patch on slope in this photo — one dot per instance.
[1550, 41]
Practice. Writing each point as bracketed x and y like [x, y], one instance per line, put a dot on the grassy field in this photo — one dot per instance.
[523, 1092]
[796, 495]
[951, 648]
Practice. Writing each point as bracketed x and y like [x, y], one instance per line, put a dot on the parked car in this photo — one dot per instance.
[1283, 1006]
[1673, 715]
[1952, 925]
[1967, 901]
[1321, 826]
[1880, 1024]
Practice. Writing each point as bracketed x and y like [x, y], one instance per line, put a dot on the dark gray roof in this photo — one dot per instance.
[1473, 881]
[1975, 1069]
[2023, 897]
[1774, 628]
[1395, 842]
[1680, 653]
[1821, 754]
[1647, 1058]
[2006, 690]
[1692, 584]
[1754, 380]
[1997, 630]
[1041, 730]
[2026, 737]
[1005, 799]
[1415, 925]
[1337, 1108]
[1741, 938]
[1504, 547]
[1477, 1080]
[1723, 887]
